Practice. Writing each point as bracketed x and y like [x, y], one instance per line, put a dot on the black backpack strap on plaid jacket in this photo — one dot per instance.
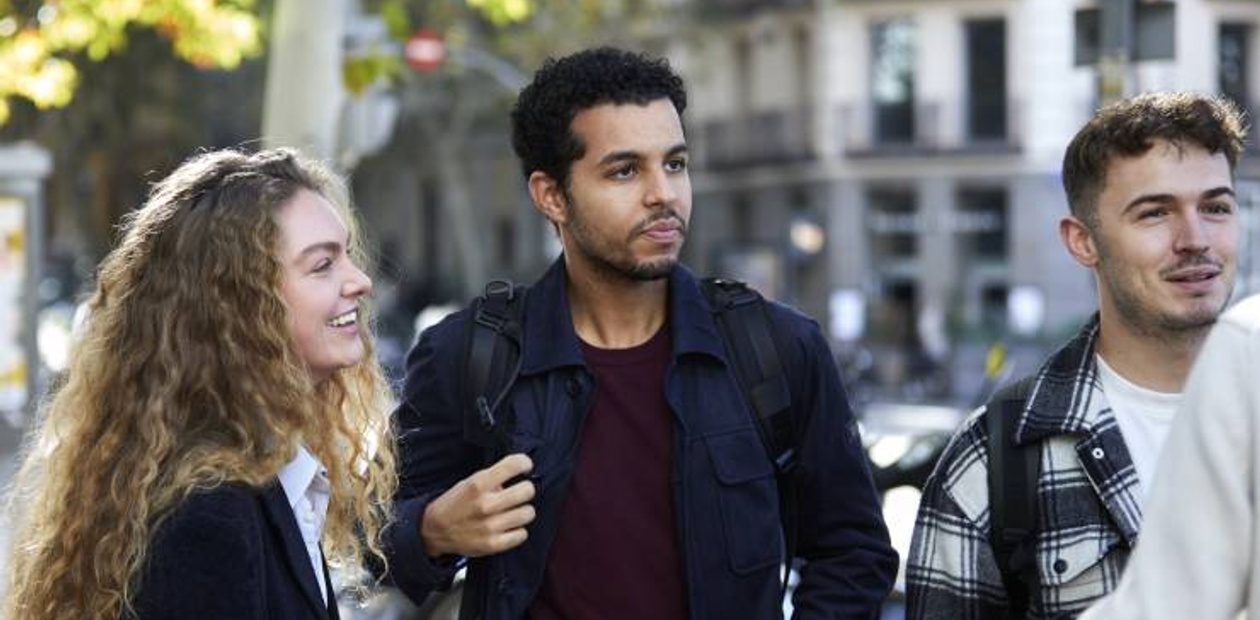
[741, 315]
[1013, 473]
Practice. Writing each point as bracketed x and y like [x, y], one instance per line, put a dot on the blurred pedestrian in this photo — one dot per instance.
[1197, 556]
[650, 494]
[1149, 182]
[224, 427]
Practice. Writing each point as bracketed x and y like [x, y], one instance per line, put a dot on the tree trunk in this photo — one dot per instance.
[472, 241]
[304, 96]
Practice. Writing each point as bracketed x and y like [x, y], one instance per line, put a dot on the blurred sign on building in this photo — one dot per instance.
[14, 367]
[23, 168]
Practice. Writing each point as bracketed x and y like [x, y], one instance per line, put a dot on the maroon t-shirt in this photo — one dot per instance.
[616, 550]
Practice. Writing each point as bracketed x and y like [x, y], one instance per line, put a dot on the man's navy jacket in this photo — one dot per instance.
[727, 510]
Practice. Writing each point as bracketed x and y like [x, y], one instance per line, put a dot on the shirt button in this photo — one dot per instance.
[1097, 453]
[504, 586]
[1060, 566]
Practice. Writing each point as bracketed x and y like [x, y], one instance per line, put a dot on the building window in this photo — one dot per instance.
[892, 79]
[1235, 47]
[986, 79]
[993, 308]
[741, 218]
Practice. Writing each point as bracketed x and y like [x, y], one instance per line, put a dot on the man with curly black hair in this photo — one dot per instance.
[636, 484]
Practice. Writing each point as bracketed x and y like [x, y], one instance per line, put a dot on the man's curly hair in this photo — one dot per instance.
[542, 135]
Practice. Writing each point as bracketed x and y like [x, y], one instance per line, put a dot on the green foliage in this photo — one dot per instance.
[360, 71]
[521, 33]
[42, 46]
[394, 12]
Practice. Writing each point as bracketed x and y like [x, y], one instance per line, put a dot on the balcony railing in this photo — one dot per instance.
[775, 137]
[927, 127]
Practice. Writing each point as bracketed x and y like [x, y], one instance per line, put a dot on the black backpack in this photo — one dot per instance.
[492, 362]
[1013, 473]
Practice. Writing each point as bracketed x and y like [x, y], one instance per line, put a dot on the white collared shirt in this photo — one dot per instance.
[305, 483]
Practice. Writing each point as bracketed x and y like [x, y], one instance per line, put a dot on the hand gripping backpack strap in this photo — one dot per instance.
[492, 360]
[741, 316]
[1013, 473]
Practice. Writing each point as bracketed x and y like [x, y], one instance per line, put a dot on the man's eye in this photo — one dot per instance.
[1219, 208]
[676, 165]
[622, 172]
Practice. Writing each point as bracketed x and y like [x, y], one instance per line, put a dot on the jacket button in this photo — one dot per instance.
[504, 586]
[573, 386]
[1060, 566]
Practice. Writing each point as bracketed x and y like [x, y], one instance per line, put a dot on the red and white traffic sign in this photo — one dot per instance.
[424, 50]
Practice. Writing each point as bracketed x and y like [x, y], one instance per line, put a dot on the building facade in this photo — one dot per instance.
[892, 166]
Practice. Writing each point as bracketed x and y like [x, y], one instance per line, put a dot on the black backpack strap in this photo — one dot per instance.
[741, 315]
[1013, 473]
[492, 359]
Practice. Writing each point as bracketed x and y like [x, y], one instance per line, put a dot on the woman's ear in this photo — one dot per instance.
[548, 196]
[1079, 241]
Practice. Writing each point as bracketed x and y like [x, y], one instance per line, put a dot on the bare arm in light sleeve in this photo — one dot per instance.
[1193, 557]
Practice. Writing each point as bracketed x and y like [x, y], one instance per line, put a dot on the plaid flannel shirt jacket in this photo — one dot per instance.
[1088, 512]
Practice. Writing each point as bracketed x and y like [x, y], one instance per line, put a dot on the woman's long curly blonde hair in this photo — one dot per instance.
[184, 378]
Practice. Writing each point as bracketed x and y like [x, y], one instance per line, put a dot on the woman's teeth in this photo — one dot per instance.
[343, 320]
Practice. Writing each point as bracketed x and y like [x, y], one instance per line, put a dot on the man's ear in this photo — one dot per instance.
[548, 196]
[1079, 241]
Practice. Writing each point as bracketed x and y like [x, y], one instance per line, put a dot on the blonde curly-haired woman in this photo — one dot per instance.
[224, 426]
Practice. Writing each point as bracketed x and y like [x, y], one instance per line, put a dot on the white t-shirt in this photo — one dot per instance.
[1144, 417]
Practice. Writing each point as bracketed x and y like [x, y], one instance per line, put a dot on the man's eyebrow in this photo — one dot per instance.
[620, 156]
[1215, 192]
[1145, 198]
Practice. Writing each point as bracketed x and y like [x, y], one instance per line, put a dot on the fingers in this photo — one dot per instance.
[483, 514]
[507, 468]
[508, 531]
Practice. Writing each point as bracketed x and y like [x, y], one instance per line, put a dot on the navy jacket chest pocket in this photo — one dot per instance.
[547, 411]
[747, 500]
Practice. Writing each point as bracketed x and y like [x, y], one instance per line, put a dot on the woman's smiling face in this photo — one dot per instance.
[322, 285]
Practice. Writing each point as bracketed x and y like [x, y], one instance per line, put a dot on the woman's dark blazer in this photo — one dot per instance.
[231, 552]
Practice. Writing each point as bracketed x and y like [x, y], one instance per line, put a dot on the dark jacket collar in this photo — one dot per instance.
[550, 341]
[285, 526]
[1066, 397]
